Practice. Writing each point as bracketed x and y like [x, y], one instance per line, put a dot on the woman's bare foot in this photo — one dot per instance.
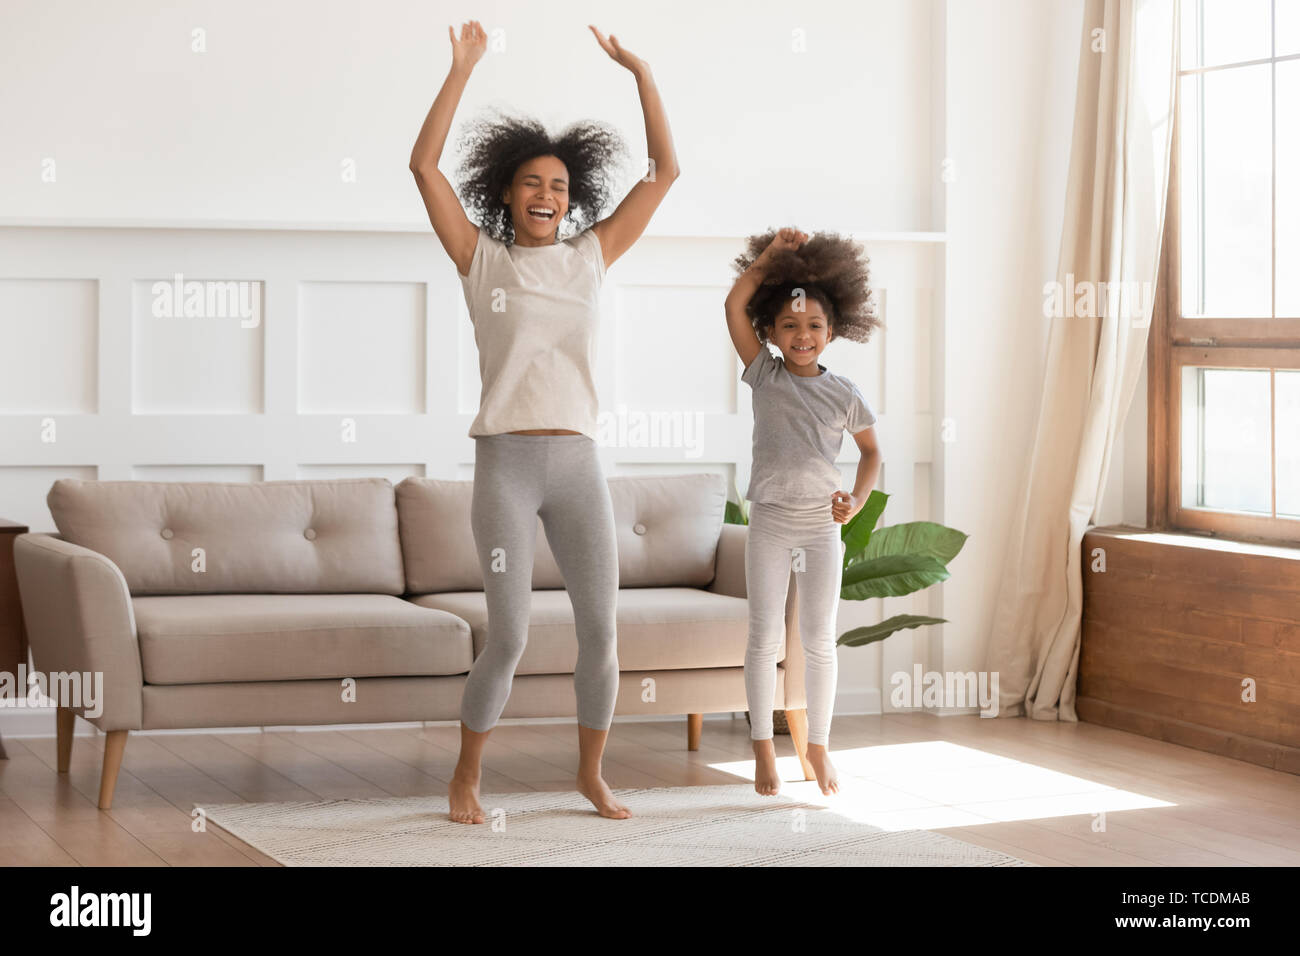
[462, 796]
[462, 792]
[827, 778]
[595, 789]
[591, 782]
[766, 780]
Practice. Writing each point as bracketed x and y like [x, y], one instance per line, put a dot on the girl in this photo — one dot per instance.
[533, 302]
[799, 293]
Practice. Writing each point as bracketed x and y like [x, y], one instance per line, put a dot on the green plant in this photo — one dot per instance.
[736, 513]
[884, 562]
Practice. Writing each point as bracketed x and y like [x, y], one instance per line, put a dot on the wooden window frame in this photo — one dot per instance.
[1176, 341]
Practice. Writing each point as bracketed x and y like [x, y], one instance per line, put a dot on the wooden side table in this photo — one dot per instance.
[13, 635]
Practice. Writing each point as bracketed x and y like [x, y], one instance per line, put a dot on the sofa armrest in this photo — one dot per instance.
[729, 563]
[80, 620]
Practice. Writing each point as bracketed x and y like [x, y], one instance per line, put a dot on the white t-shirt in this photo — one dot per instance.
[799, 425]
[535, 311]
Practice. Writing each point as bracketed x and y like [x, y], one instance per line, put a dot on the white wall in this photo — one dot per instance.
[257, 128]
[1010, 107]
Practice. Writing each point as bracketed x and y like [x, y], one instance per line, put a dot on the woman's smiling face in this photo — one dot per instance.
[538, 198]
[801, 331]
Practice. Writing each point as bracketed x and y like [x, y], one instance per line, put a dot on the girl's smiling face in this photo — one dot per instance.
[801, 334]
[538, 198]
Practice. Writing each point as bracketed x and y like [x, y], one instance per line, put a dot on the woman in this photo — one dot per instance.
[533, 301]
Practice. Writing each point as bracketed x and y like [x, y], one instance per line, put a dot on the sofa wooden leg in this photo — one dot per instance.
[798, 723]
[65, 722]
[694, 728]
[114, 746]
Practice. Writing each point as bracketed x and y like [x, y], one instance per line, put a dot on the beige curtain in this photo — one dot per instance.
[1114, 211]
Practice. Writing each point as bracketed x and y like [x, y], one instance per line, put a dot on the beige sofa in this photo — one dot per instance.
[208, 604]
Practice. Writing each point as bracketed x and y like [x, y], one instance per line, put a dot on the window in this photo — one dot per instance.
[1224, 372]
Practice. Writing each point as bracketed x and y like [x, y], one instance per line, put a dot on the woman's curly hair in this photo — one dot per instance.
[494, 148]
[829, 268]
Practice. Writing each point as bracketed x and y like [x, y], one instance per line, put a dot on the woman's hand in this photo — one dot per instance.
[844, 506]
[471, 46]
[619, 55]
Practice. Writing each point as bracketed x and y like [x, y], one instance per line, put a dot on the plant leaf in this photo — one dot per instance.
[878, 632]
[857, 530]
[735, 512]
[916, 537]
[891, 575]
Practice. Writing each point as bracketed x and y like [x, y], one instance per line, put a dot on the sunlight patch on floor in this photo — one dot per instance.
[936, 784]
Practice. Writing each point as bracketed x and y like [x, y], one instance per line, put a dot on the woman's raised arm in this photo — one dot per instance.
[625, 224]
[457, 234]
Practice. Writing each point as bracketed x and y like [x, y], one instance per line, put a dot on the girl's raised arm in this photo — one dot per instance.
[743, 336]
[625, 224]
[457, 234]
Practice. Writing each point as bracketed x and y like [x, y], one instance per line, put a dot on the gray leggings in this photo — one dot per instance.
[559, 477]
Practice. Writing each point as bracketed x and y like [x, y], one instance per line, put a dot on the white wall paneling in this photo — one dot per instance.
[55, 318]
[197, 354]
[364, 336]
[348, 366]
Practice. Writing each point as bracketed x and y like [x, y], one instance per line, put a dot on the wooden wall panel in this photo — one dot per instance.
[1171, 630]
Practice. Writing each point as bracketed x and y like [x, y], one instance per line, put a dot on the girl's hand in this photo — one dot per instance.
[471, 46]
[844, 506]
[619, 55]
[787, 238]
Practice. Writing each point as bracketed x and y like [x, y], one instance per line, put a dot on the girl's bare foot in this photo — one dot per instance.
[462, 795]
[597, 791]
[827, 778]
[766, 780]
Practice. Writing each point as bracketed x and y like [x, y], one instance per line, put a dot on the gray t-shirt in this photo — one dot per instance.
[799, 425]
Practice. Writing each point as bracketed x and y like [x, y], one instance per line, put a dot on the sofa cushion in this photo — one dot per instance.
[658, 628]
[207, 638]
[337, 536]
[667, 525]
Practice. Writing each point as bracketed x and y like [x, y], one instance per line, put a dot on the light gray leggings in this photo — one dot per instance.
[801, 538]
[559, 477]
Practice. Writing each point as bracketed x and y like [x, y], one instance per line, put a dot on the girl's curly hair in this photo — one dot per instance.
[828, 268]
[495, 148]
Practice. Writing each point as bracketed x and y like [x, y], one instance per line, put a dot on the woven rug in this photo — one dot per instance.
[727, 825]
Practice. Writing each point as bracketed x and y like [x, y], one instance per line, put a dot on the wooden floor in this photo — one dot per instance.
[1225, 813]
